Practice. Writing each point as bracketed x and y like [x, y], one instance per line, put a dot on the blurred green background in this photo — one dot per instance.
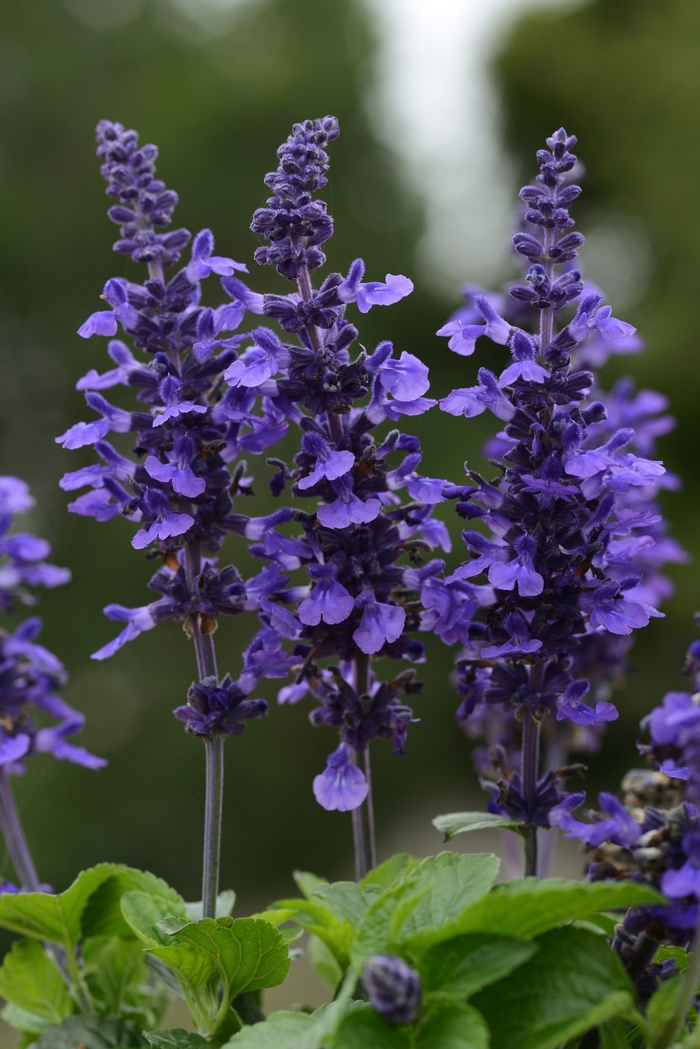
[624, 75]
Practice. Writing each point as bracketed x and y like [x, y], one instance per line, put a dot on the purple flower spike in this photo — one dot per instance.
[329, 600]
[380, 623]
[342, 786]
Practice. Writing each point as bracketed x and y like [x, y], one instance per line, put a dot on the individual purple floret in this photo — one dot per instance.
[177, 489]
[393, 988]
[570, 516]
[357, 527]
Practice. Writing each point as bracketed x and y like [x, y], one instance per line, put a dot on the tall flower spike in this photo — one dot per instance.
[30, 676]
[357, 527]
[188, 429]
[568, 552]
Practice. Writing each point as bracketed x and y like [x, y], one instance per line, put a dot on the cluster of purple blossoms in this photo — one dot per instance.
[178, 489]
[359, 604]
[30, 675]
[574, 539]
[651, 831]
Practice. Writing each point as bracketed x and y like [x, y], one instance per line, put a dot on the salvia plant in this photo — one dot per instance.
[564, 548]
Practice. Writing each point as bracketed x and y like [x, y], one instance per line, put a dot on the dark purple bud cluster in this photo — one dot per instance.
[393, 988]
[218, 708]
[144, 201]
[293, 221]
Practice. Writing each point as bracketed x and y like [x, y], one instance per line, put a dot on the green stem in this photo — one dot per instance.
[692, 979]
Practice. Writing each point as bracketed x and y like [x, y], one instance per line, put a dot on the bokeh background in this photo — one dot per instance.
[441, 109]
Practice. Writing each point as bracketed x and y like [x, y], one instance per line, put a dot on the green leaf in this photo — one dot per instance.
[614, 1034]
[458, 968]
[426, 906]
[527, 907]
[363, 1028]
[30, 980]
[462, 822]
[23, 1021]
[307, 882]
[455, 883]
[91, 1032]
[282, 1030]
[680, 957]
[249, 953]
[662, 1005]
[391, 871]
[225, 903]
[57, 919]
[114, 971]
[318, 918]
[176, 1038]
[143, 911]
[323, 962]
[573, 983]
[453, 1027]
[346, 899]
[103, 915]
[240, 954]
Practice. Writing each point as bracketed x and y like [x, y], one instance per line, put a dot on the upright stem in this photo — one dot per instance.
[370, 814]
[214, 753]
[547, 316]
[530, 764]
[13, 833]
[205, 655]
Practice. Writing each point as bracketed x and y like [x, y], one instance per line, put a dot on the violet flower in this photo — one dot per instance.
[188, 428]
[357, 528]
[564, 551]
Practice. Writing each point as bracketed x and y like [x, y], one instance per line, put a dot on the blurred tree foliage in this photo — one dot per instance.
[217, 104]
[624, 76]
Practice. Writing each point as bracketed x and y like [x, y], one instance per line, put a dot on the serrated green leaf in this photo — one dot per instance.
[30, 980]
[573, 983]
[462, 822]
[91, 1032]
[453, 1027]
[307, 882]
[143, 911]
[316, 917]
[103, 915]
[455, 883]
[172, 925]
[375, 934]
[527, 907]
[363, 1028]
[249, 953]
[391, 871]
[57, 919]
[282, 1030]
[177, 1038]
[460, 967]
[217, 959]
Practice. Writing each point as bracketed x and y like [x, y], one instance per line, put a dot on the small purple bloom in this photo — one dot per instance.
[179, 472]
[204, 263]
[373, 293]
[570, 707]
[380, 623]
[347, 509]
[393, 988]
[329, 600]
[329, 464]
[342, 786]
[137, 620]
